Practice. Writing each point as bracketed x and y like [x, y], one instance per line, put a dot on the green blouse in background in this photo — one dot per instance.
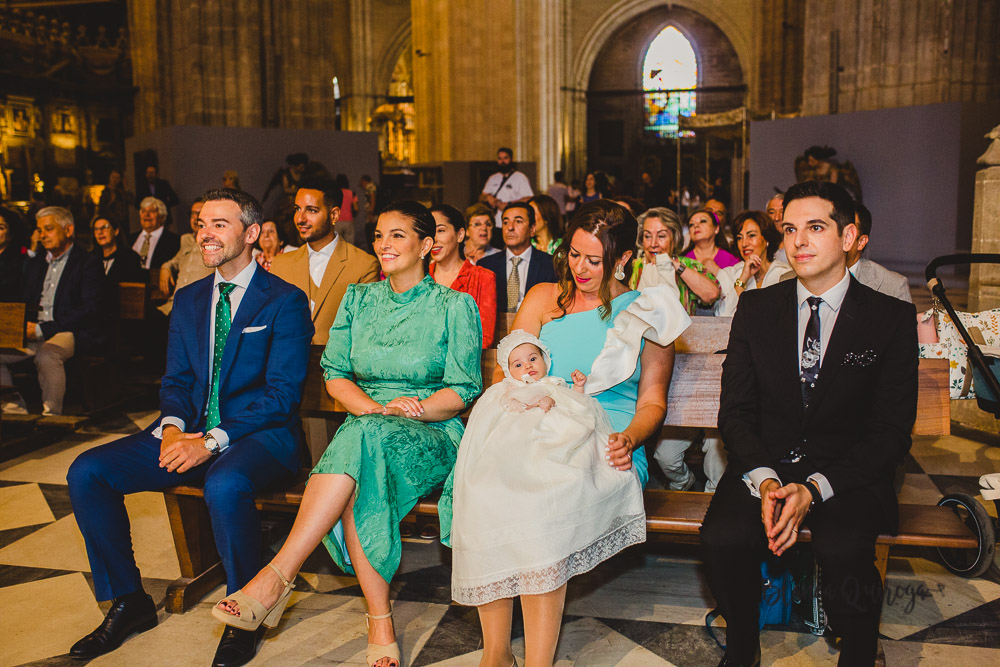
[410, 344]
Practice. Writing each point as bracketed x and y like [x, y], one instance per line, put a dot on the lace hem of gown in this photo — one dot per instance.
[626, 532]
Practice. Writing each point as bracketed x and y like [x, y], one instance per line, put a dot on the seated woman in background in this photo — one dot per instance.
[269, 243]
[661, 235]
[451, 268]
[708, 245]
[404, 360]
[757, 239]
[12, 245]
[548, 224]
[479, 228]
[121, 263]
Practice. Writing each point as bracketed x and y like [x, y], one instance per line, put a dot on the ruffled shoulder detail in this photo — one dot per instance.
[655, 314]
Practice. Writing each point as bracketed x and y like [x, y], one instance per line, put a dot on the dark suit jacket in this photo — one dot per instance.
[77, 300]
[125, 269]
[857, 427]
[11, 273]
[263, 364]
[164, 192]
[540, 270]
[165, 249]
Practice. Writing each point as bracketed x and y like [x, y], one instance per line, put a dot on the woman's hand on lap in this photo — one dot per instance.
[619, 451]
[410, 405]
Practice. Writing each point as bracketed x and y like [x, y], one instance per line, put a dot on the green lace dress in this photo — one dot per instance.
[391, 345]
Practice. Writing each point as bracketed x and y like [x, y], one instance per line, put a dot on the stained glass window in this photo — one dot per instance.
[670, 64]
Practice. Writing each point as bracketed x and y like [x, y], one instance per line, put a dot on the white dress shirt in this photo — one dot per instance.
[522, 271]
[833, 299]
[318, 261]
[516, 187]
[154, 237]
[242, 282]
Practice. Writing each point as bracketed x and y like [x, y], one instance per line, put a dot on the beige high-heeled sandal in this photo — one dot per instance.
[252, 612]
[376, 652]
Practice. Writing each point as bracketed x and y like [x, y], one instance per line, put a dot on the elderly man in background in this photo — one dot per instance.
[154, 244]
[62, 293]
[186, 266]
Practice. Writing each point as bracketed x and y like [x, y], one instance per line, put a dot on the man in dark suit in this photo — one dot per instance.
[819, 395]
[154, 186]
[236, 362]
[155, 244]
[62, 292]
[520, 267]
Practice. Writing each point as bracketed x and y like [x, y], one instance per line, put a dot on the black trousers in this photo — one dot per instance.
[844, 530]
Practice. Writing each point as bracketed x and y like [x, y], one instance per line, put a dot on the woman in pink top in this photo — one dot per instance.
[708, 245]
[349, 207]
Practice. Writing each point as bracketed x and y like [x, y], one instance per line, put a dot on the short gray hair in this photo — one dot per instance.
[153, 202]
[670, 221]
[62, 215]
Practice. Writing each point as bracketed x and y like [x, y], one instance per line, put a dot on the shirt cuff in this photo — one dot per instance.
[757, 476]
[221, 437]
[168, 421]
[825, 489]
[39, 334]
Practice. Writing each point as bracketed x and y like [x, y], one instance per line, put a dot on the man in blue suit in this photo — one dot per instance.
[236, 362]
[520, 267]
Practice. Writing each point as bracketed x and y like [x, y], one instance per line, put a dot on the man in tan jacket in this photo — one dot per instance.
[326, 264]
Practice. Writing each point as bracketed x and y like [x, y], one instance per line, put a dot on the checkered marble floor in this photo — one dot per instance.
[644, 607]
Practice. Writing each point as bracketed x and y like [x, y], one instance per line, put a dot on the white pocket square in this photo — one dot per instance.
[254, 329]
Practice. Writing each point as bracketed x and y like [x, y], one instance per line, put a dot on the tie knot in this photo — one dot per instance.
[814, 302]
[515, 260]
[226, 288]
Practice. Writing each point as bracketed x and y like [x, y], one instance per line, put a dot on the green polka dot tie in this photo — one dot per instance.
[223, 320]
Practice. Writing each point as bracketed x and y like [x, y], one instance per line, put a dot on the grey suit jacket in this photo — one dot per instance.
[882, 280]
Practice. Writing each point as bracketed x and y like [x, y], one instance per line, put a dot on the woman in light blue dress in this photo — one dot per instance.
[579, 320]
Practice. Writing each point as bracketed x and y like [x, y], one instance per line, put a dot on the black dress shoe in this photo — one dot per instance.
[132, 613]
[237, 647]
[731, 661]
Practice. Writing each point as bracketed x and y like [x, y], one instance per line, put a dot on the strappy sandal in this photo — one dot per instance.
[252, 612]
[376, 652]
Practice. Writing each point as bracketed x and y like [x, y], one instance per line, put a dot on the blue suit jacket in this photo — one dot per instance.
[540, 270]
[263, 364]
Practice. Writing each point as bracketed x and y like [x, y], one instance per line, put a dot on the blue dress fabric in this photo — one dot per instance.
[575, 340]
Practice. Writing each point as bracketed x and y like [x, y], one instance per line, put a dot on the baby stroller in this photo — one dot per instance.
[986, 379]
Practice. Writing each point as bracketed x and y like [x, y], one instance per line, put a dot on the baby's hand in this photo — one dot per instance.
[579, 379]
[546, 403]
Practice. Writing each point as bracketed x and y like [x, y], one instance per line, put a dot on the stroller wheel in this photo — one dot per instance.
[970, 563]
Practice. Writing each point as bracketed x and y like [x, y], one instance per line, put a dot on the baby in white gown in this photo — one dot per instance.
[535, 502]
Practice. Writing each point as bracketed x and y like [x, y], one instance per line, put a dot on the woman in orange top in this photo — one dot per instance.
[452, 269]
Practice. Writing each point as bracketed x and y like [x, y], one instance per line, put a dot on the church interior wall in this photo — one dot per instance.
[255, 153]
[912, 179]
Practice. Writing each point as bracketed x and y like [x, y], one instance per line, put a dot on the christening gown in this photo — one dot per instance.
[409, 344]
[533, 502]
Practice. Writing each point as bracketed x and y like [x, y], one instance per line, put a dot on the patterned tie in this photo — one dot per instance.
[144, 251]
[513, 286]
[223, 320]
[811, 350]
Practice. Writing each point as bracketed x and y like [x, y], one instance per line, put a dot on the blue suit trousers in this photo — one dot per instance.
[100, 478]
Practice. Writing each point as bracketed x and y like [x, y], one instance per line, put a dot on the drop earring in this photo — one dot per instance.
[620, 272]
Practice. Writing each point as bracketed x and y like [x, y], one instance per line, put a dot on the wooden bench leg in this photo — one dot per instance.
[201, 570]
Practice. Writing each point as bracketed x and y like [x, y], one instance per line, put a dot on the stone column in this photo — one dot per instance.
[488, 74]
[984, 282]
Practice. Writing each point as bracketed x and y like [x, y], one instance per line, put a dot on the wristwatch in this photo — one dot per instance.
[680, 268]
[211, 444]
[739, 283]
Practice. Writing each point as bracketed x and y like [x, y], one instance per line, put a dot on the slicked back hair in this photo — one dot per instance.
[844, 208]
[251, 212]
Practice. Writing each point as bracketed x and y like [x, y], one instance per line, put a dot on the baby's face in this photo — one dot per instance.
[527, 359]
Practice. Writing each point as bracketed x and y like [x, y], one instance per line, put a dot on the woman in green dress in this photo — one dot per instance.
[404, 360]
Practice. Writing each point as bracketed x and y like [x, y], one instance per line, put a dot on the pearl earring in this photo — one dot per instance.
[620, 272]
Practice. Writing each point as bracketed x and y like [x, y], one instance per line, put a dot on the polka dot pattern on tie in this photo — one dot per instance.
[223, 321]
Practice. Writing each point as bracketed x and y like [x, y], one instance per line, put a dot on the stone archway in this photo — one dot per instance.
[735, 23]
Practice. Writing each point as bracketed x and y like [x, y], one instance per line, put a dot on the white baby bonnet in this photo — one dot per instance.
[512, 340]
